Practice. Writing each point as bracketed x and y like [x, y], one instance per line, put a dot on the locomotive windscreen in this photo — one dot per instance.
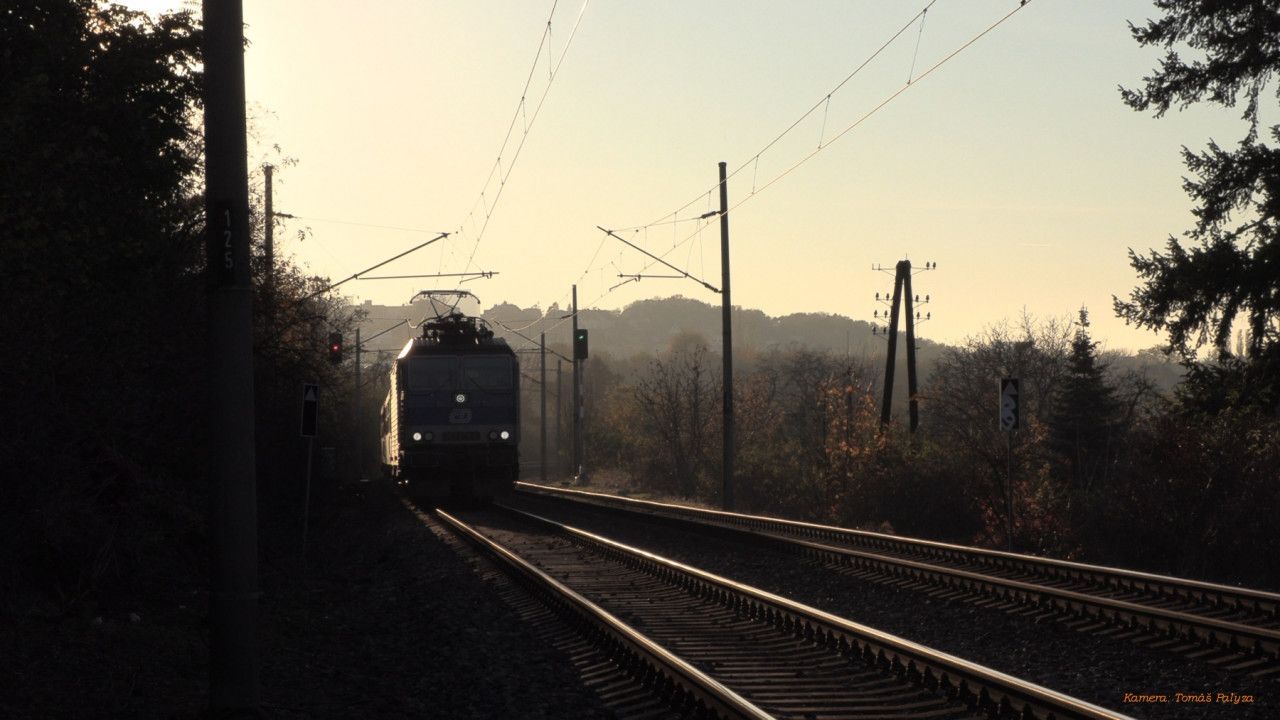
[488, 374]
[434, 379]
[430, 380]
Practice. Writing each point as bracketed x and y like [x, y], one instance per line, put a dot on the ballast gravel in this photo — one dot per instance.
[1088, 667]
[394, 622]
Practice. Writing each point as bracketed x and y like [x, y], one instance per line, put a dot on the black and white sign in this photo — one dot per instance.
[1010, 411]
[310, 402]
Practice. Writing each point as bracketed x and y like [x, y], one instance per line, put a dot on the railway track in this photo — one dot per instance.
[718, 648]
[1237, 629]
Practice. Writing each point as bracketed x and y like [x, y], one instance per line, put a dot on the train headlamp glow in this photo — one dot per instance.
[459, 398]
[505, 435]
[417, 437]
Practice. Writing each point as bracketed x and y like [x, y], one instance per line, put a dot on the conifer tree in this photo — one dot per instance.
[1231, 265]
[1082, 424]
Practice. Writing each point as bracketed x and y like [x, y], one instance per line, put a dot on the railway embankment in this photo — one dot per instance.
[387, 621]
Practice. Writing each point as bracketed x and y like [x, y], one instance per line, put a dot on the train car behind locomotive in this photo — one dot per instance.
[450, 421]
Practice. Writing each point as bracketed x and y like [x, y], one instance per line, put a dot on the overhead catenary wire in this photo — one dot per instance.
[822, 102]
[863, 118]
[754, 159]
[497, 170]
[526, 337]
[888, 100]
[754, 162]
[565, 297]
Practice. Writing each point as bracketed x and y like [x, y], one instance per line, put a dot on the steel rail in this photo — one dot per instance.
[982, 688]
[699, 688]
[1237, 636]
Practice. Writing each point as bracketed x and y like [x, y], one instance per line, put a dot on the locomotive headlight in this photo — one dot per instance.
[459, 398]
[417, 437]
[505, 435]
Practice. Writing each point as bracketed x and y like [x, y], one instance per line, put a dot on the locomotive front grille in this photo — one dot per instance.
[460, 436]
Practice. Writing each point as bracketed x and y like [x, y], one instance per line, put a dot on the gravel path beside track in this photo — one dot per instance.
[396, 624]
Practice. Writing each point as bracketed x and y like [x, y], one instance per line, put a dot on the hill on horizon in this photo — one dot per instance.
[645, 327]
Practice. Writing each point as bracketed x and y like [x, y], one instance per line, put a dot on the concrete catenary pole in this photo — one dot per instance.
[559, 425]
[542, 393]
[577, 392]
[233, 604]
[727, 348]
[359, 416]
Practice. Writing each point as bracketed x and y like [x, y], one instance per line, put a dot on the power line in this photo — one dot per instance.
[892, 96]
[754, 160]
[497, 169]
[519, 112]
[822, 102]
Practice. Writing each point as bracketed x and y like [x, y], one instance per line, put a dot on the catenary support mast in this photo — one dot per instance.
[233, 603]
[542, 398]
[727, 349]
[577, 393]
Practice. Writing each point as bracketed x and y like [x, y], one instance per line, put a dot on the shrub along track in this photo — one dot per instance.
[743, 652]
[1237, 629]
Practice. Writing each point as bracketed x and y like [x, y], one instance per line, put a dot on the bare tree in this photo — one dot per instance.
[673, 399]
[962, 395]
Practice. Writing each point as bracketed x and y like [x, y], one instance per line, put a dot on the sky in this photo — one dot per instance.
[1013, 165]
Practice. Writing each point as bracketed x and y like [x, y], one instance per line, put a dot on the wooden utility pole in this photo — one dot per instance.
[233, 599]
[726, 321]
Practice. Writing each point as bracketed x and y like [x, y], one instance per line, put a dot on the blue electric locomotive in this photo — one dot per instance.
[451, 419]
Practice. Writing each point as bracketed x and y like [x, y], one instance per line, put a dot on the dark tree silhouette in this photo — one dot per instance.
[1083, 422]
[100, 226]
[1232, 266]
[102, 290]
